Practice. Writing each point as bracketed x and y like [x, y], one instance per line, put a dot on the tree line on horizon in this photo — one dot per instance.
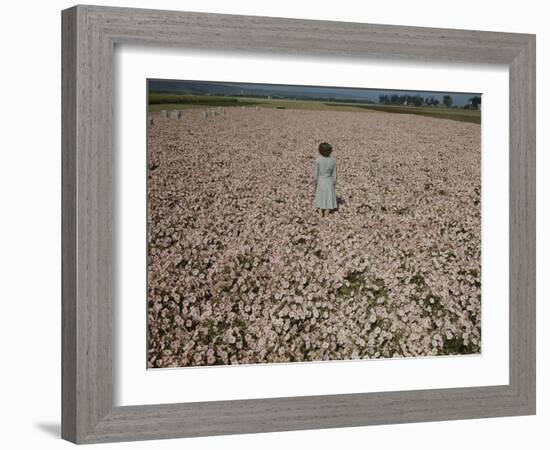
[418, 100]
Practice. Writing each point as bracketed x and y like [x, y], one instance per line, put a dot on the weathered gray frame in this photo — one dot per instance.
[89, 36]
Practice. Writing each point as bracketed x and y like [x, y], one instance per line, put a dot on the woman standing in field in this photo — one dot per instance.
[324, 173]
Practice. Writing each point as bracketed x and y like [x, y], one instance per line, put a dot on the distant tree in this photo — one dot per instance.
[417, 100]
[447, 101]
[475, 101]
[432, 101]
[383, 99]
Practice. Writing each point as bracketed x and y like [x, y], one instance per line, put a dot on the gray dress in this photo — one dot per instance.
[324, 173]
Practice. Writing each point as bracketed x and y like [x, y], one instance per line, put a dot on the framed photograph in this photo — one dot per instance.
[278, 224]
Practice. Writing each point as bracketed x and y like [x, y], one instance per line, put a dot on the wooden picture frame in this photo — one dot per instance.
[90, 34]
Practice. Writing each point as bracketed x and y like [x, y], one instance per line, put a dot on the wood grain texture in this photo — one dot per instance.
[89, 37]
[68, 227]
[523, 224]
[87, 304]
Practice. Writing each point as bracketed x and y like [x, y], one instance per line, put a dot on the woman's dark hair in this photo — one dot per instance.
[325, 149]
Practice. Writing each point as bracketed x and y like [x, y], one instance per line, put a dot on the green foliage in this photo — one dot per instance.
[163, 101]
[354, 281]
[456, 346]
[460, 115]
[156, 98]
[447, 101]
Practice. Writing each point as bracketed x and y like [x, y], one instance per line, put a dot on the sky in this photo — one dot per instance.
[293, 91]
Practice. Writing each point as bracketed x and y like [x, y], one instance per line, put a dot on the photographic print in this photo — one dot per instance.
[290, 224]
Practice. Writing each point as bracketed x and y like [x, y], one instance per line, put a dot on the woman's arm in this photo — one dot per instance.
[334, 174]
[315, 171]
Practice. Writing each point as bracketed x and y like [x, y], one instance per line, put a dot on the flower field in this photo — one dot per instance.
[242, 269]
